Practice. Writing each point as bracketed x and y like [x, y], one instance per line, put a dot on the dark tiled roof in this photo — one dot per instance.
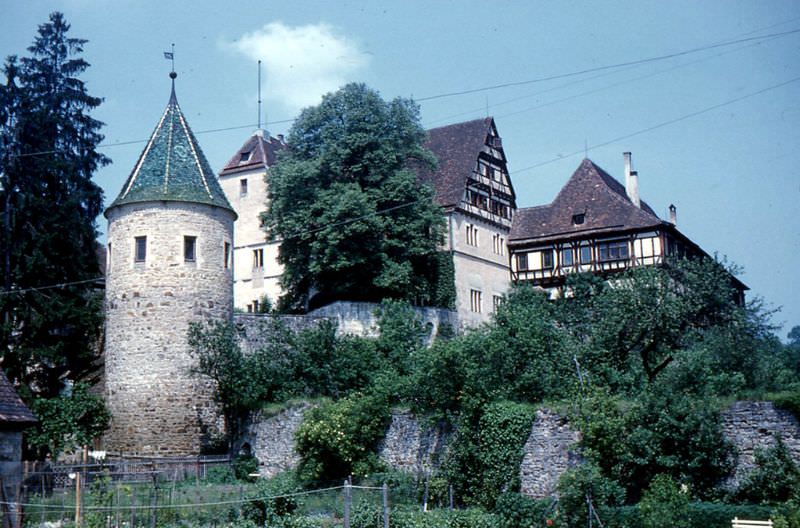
[12, 409]
[258, 152]
[590, 191]
[172, 167]
[456, 148]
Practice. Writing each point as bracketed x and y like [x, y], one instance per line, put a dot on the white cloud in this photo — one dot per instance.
[301, 63]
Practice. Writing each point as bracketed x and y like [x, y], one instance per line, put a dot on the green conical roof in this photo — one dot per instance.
[172, 167]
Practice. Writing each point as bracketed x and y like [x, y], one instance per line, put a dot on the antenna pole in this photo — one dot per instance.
[259, 95]
[173, 56]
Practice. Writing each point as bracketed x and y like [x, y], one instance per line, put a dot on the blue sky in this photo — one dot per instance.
[714, 131]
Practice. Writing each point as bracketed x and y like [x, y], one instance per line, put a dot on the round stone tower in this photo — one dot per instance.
[170, 236]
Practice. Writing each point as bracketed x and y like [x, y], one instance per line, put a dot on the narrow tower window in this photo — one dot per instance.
[189, 248]
[227, 256]
[141, 248]
[243, 187]
[258, 258]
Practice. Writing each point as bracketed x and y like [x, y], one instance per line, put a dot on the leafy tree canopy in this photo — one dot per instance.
[48, 153]
[353, 220]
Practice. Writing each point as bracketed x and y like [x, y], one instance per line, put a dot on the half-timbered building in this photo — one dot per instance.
[473, 188]
[595, 224]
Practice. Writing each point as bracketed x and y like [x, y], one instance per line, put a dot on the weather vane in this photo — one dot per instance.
[171, 56]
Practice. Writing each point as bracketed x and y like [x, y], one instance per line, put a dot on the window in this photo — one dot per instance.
[189, 248]
[565, 259]
[586, 255]
[244, 156]
[472, 235]
[475, 300]
[498, 245]
[108, 258]
[496, 300]
[578, 219]
[617, 250]
[522, 262]
[547, 259]
[258, 258]
[227, 256]
[141, 248]
[243, 187]
[255, 305]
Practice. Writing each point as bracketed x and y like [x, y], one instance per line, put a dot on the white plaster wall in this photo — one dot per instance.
[157, 407]
[251, 284]
[477, 267]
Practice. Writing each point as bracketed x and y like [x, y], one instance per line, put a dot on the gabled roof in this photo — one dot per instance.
[590, 191]
[456, 147]
[172, 166]
[12, 409]
[258, 152]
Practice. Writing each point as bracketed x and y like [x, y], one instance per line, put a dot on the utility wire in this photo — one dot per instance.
[486, 88]
[607, 66]
[50, 286]
[659, 125]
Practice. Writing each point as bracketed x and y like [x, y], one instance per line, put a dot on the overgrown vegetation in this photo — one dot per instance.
[640, 365]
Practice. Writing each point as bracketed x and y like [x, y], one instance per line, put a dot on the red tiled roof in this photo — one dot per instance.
[12, 409]
[590, 191]
[456, 148]
[259, 151]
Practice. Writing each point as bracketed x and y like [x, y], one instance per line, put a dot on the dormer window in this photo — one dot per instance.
[578, 219]
[244, 156]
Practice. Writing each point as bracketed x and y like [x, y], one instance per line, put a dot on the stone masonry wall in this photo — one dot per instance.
[271, 439]
[410, 446]
[548, 453]
[158, 407]
[358, 318]
[751, 425]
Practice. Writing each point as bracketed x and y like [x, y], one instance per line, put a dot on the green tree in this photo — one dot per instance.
[353, 220]
[68, 421]
[48, 143]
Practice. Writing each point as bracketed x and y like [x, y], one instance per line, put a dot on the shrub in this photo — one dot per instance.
[514, 510]
[244, 466]
[775, 478]
[337, 439]
[575, 485]
[664, 504]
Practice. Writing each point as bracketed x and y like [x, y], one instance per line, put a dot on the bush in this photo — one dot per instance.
[220, 475]
[775, 478]
[270, 505]
[514, 510]
[337, 439]
[665, 504]
[244, 466]
[576, 485]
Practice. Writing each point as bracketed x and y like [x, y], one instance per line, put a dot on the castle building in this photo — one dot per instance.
[169, 262]
[474, 189]
[595, 224]
[256, 271]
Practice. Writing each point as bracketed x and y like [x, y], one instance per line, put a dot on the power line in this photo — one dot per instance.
[659, 125]
[607, 66]
[50, 286]
[486, 88]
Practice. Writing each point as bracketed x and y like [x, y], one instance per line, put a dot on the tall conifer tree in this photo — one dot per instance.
[49, 335]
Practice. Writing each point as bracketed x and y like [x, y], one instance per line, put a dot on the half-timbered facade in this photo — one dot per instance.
[473, 187]
[595, 224]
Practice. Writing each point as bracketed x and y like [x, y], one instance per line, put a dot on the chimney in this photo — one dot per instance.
[673, 214]
[631, 181]
[280, 138]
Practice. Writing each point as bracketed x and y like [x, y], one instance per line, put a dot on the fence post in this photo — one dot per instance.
[425, 495]
[450, 493]
[154, 502]
[78, 499]
[385, 491]
[347, 504]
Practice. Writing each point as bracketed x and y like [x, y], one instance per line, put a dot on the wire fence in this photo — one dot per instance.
[160, 493]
